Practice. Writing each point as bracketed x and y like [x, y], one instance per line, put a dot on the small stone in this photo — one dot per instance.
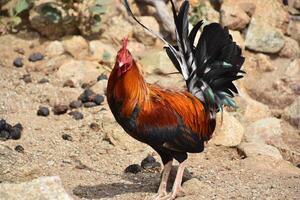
[102, 77]
[4, 135]
[43, 111]
[152, 167]
[18, 62]
[2, 124]
[86, 96]
[89, 104]
[134, 169]
[67, 137]
[76, 115]
[15, 133]
[18, 126]
[36, 57]
[27, 78]
[19, 149]
[43, 80]
[94, 126]
[60, 109]
[75, 104]
[69, 83]
[148, 159]
[19, 51]
[98, 99]
[298, 165]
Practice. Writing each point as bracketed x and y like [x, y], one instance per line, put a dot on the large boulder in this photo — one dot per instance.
[294, 7]
[292, 113]
[234, 17]
[267, 39]
[290, 49]
[80, 71]
[294, 30]
[144, 36]
[77, 46]
[228, 133]
[253, 149]
[44, 188]
[101, 51]
[54, 49]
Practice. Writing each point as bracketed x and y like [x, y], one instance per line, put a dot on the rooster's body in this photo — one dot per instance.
[175, 123]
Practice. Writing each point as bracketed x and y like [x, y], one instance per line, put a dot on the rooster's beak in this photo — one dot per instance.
[121, 64]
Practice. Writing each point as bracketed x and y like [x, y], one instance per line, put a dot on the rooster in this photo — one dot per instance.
[174, 122]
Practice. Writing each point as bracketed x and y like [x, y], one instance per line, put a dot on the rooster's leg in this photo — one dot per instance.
[177, 189]
[162, 190]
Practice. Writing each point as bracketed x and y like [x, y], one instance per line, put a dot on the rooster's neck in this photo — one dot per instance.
[130, 90]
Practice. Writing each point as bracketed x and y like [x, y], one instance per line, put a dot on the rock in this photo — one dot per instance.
[69, 83]
[186, 176]
[94, 126]
[4, 135]
[143, 36]
[264, 64]
[46, 188]
[237, 37]
[15, 133]
[136, 48]
[65, 24]
[254, 149]
[77, 46]
[134, 169]
[60, 109]
[102, 77]
[149, 164]
[43, 80]
[118, 29]
[18, 62]
[293, 69]
[205, 11]
[98, 99]
[79, 71]
[157, 62]
[100, 87]
[229, 133]
[19, 149]
[234, 17]
[294, 30]
[43, 111]
[294, 7]
[265, 131]
[8, 131]
[101, 51]
[292, 114]
[266, 40]
[248, 7]
[34, 57]
[75, 104]
[86, 96]
[89, 104]
[19, 50]
[67, 137]
[290, 49]
[54, 48]
[76, 115]
[27, 78]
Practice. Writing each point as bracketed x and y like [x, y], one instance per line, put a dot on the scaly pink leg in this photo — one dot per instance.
[162, 190]
[177, 189]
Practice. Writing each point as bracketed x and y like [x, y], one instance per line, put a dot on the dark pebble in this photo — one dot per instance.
[298, 165]
[86, 85]
[89, 104]
[76, 115]
[43, 111]
[43, 80]
[86, 96]
[18, 62]
[2, 124]
[19, 149]
[15, 133]
[102, 77]
[67, 137]
[69, 83]
[94, 126]
[60, 109]
[156, 166]
[135, 168]
[98, 99]
[75, 104]
[18, 126]
[27, 78]
[36, 57]
[148, 159]
[4, 135]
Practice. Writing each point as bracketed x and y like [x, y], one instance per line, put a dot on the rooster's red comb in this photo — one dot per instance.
[125, 42]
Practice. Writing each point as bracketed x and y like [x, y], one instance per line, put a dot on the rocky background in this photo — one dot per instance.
[58, 139]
